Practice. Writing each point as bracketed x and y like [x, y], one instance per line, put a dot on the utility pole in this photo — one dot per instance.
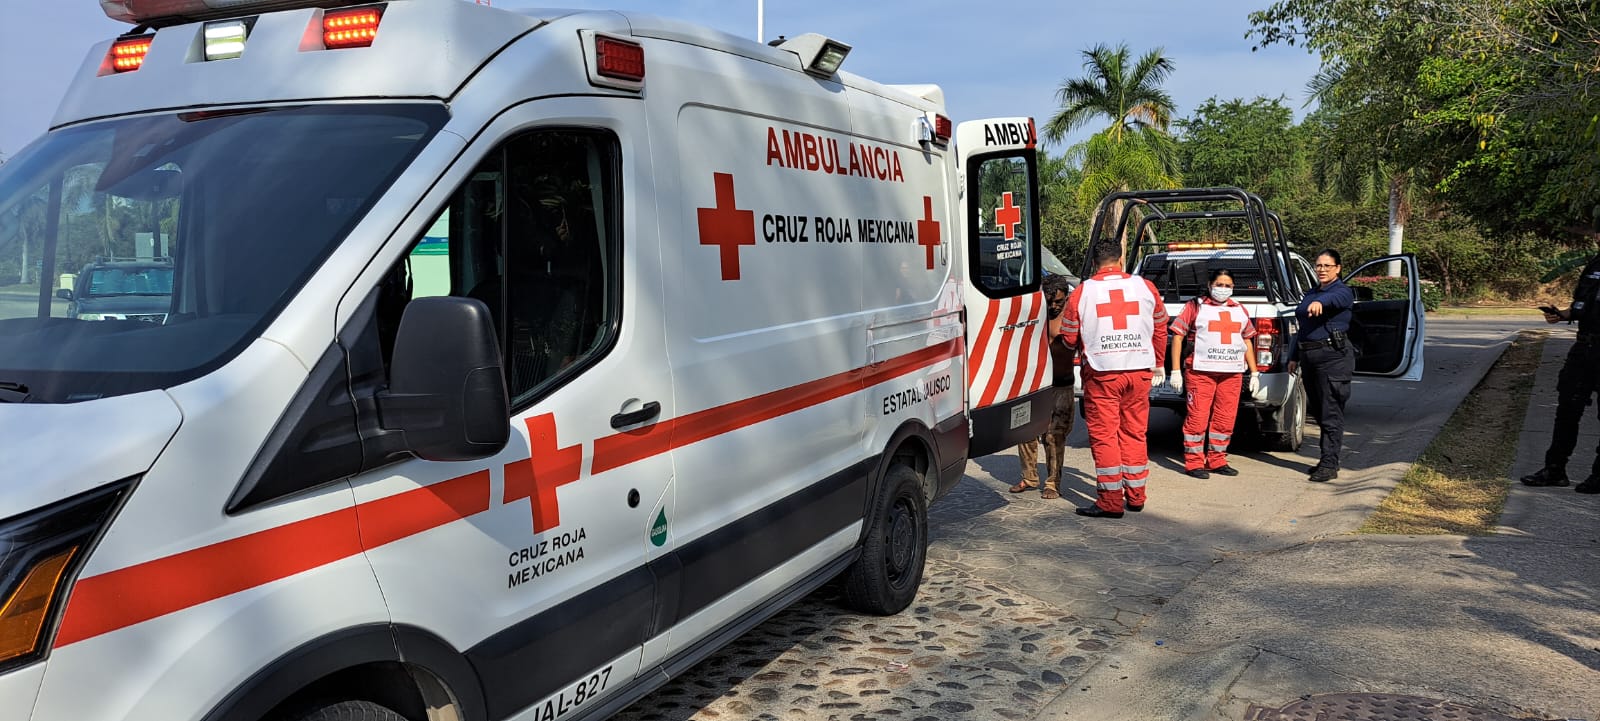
[761, 21]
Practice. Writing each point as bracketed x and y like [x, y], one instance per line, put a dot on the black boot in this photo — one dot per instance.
[1548, 476]
[1590, 484]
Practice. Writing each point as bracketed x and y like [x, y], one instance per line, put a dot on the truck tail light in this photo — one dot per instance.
[351, 28]
[127, 53]
[1269, 338]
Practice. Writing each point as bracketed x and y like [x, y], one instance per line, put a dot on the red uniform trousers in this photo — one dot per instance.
[1116, 406]
[1213, 405]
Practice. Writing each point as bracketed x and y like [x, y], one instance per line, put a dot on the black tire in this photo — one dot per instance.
[343, 711]
[884, 580]
[1293, 416]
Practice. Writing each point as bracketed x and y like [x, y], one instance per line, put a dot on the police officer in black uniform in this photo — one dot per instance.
[1326, 358]
[1579, 380]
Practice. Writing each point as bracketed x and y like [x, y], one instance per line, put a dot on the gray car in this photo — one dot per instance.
[138, 290]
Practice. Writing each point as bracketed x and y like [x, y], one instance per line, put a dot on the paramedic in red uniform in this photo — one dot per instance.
[1222, 333]
[1120, 326]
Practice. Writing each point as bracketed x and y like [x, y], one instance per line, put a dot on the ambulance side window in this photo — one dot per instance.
[1003, 257]
[532, 234]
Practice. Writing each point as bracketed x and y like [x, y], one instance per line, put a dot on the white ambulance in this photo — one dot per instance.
[512, 362]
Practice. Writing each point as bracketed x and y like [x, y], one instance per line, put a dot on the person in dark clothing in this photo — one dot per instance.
[1578, 382]
[1324, 353]
[1056, 289]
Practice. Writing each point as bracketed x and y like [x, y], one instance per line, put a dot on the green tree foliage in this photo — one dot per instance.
[1490, 106]
[1127, 95]
[1135, 150]
[1246, 144]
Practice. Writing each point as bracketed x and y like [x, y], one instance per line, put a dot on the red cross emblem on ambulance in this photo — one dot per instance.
[547, 468]
[727, 227]
[928, 229]
[1008, 216]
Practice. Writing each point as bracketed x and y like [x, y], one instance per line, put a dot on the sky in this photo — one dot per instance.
[992, 58]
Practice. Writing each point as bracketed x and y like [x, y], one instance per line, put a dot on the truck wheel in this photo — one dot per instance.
[886, 576]
[1293, 415]
[343, 711]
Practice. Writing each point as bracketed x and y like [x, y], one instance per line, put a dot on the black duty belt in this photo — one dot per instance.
[1313, 344]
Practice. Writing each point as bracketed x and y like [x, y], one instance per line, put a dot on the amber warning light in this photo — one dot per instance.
[353, 28]
[128, 53]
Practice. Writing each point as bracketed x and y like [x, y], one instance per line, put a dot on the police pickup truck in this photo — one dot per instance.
[1269, 280]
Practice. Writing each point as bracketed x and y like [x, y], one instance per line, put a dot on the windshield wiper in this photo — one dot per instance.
[12, 392]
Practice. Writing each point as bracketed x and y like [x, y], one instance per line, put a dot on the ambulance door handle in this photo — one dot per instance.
[647, 413]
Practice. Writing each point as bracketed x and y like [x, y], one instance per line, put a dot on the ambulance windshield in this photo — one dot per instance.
[139, 253]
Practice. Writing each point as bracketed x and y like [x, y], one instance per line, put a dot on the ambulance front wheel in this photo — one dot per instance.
[885, 578]
[344, 711]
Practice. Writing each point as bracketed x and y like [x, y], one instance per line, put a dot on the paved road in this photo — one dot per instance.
[984, 530]
[1023, 600]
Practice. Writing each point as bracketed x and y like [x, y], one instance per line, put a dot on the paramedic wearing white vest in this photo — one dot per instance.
[1223, 349]
[1120, 325]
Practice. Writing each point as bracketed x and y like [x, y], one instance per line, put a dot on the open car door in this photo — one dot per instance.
[1009, 393]
[1386, 327]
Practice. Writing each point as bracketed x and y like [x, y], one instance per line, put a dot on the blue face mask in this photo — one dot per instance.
[1221, 295]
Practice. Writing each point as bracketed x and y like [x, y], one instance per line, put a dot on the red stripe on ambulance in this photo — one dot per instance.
[127, 596]
[121, 598]
[623, 448]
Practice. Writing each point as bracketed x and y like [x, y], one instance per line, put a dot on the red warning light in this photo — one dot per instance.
[353, 28]
[127, 54]
[619, 58]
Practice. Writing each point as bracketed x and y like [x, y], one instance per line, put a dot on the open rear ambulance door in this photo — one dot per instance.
[1387, 331]
[1009, 395]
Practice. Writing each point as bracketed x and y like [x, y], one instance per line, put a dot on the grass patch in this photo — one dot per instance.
[1477, 311]
[1459, 484]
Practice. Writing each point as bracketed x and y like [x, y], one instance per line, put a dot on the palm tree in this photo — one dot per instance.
[1135, 150]
[1131, 98]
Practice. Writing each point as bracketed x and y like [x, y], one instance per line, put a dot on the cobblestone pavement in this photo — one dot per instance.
[966, 648]
[1112, 573]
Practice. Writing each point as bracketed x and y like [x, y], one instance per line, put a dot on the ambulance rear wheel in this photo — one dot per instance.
[345, 711]
[885, 578]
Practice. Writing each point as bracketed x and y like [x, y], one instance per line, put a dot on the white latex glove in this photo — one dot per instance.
[1158, 376]
[1176, 381]
[1255, 384]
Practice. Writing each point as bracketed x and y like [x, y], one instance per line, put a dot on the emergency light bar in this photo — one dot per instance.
[140, 12]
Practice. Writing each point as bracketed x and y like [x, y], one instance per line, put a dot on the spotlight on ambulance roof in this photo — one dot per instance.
[225, 39]
[142, 11]
[821, 56]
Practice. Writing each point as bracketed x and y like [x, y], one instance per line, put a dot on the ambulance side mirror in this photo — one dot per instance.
[447, 392]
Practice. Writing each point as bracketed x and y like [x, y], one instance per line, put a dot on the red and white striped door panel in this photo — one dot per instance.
[1009, 352]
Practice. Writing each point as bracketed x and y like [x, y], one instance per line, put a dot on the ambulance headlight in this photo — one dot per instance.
[40, 554]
